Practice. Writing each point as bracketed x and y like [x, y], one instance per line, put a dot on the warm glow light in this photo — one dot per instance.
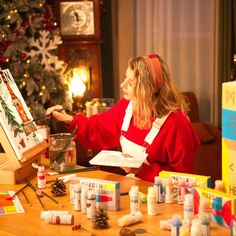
[78, 87]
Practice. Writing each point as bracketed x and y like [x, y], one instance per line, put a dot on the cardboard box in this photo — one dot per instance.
[222, 205]
[107, 192]
[177, 177]
[229, 136]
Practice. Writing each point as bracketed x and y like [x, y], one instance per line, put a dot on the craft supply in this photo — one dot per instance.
[134, 199]
[142, 197]
[165, 224]
[77, 201]
[188, 209]
[196, 228]
[130, 219]
[26, 198]
[40, 118]
[184, 231]
[18, 191]
[178, 177]
[175, 225]
[59, 219]
[9, 204]
[169, 191]
[41, 177]
[233, 227]
[85, 169]
[220, 186]
[181, 191]
[158, 187]
[221, 205]
[107, 192]
[152, 201]
[91, 204]
[35, 190]
[45, 214]
[205, 223]
[84, 191]
[203, 206]
[54, 200]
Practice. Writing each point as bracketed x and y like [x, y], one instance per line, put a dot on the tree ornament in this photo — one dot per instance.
[58, 187]
[100, 221]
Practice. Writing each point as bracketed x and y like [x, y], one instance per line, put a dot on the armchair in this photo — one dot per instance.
[208, 158]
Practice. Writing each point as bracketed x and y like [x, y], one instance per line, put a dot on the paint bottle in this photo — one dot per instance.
[175, 225]
[158, 186]
[84, 191]
[91, 204]
[134, 199]
[205, 223]
[203, 206]
[188, 210]
[165, 224]
[196, 229]
[60, 219]
[41, 177]
[45, 214]
[169, 191]
[152, 201]
[77, 194]
[130, 219]
[181, 191]
[220, 186]
[191, 184]
[184, 231]
[142, 197]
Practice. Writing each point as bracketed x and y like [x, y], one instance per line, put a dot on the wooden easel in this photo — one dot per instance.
[12, 170]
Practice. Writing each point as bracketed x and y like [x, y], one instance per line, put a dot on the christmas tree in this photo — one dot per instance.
[29, 42]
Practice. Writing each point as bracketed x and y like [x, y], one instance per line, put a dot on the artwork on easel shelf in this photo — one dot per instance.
[15, 116]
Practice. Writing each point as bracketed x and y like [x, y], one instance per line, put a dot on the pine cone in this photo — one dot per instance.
[100, 221]
[58, 187]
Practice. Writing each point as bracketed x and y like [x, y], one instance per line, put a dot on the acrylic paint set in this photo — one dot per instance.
[107, 192]
[222, 205]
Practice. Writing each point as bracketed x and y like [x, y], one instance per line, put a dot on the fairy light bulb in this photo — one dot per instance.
[43, 87]
[41, 94]
[28, 61]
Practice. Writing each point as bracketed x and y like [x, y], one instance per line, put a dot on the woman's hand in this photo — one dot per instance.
[59, 113]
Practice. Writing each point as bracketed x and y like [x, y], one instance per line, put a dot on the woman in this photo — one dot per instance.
[149, 121]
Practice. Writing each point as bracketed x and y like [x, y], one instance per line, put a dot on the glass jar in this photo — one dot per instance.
[62, 151]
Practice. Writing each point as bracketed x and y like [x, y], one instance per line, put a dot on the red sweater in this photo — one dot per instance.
[173, 148]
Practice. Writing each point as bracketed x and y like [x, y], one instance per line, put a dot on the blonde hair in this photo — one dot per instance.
[147, 103]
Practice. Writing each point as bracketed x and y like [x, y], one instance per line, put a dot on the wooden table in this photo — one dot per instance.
[30, 223]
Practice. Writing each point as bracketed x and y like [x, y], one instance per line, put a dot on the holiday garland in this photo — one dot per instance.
[17, 128]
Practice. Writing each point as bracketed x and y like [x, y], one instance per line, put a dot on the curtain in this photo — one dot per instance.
[183, 33]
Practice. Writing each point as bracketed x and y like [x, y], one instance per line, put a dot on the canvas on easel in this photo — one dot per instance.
[20, 139]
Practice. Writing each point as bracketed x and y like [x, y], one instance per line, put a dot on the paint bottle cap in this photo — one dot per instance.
[176, 220]
[78, 188]
[91, 194]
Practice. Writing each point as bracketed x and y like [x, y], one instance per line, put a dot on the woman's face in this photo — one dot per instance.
[128, 84]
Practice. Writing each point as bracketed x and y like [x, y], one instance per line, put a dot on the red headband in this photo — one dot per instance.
[156, 70]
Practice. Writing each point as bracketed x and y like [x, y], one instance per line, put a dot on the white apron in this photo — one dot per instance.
[131, 148]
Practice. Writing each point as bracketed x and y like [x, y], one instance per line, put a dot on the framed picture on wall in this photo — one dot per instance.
[78, 19]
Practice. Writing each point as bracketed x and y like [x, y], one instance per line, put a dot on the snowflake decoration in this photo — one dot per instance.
[43, 47]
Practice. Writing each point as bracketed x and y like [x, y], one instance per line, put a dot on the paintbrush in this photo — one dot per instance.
[21, 189]
[36, 192]
[42, 117]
